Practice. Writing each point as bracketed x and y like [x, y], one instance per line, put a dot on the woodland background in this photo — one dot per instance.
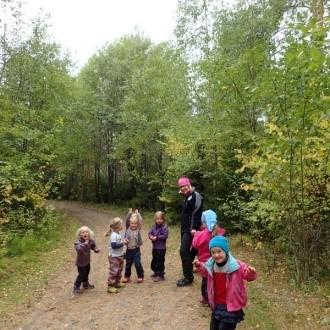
[238, 101]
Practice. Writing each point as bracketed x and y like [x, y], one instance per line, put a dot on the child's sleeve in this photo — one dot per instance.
[94, 247]
[162, 236]
[197, 240]
[114, 242]
[247, 272]
[139, 216]
[127, 219]
[201, 269]
[81, 246]
[140, 242]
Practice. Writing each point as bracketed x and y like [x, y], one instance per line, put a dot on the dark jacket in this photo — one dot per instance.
[161, 232]
[192, 212]
[84, 251]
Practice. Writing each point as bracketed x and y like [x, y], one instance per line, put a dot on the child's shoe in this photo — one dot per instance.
[125, 280]
[204, 302]
[153, 275]
[87, 285]
[119, 285]
[76, 290]
[158, 278]
[112, 289]
[140, 280]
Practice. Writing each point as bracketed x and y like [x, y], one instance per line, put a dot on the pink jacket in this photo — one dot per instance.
[236, 295]
[201, 242]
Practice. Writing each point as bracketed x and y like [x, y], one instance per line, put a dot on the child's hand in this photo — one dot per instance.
[196, 263]
[193, 231]
[251, 269]
[125, 241]
[153, 238]
[86, 242]
[249, 273]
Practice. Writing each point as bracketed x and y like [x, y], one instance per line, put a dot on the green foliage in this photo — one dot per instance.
[40, 236]
[34, 83]
[291, 162]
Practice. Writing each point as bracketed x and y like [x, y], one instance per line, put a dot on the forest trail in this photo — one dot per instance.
[138, 306]
[273, 303]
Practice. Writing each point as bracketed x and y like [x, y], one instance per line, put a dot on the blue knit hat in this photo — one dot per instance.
[220, 242]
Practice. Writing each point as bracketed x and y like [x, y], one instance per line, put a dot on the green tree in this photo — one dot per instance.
[291, 162]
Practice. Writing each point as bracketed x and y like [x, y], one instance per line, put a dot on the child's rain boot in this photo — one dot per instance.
[112, 289]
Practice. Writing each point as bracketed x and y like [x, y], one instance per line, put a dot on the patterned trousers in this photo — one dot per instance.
[116, 265]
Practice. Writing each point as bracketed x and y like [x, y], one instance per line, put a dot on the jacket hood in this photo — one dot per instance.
[209, 218]
[231, 266]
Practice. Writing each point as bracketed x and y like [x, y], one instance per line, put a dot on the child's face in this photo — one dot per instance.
[218, 255]
[159, 220]
[84, 235]
[134, 224]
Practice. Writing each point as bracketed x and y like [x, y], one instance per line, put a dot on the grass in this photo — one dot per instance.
[29, 271]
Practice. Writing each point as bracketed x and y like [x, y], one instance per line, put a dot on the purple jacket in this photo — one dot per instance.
[84, 251]
[161, 232]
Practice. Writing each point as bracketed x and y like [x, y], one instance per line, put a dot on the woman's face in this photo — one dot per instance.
[218, 255]
[185, 189]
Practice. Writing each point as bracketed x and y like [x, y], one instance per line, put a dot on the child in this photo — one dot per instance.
[158, 235]
[225, 282]
[84, 244]
[201, 242]
[116, 260]
[128, 217]
[133, 241]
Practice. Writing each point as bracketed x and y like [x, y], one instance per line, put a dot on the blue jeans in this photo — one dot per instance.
[133, 256]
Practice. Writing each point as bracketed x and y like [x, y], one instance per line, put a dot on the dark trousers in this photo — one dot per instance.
[82, 277]
[220, 325]
[158, 262]
[204, 288]
[186, 257]
[193, 253]
[133, 256]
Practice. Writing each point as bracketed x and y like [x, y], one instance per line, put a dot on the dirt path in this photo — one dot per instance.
[138, 306]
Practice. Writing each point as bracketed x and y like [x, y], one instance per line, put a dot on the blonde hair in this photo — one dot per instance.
[114, 224]
[160, 214]
[136, 216]
[85, 228]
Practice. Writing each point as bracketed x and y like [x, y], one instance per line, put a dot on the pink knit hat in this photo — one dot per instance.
[184, 181]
